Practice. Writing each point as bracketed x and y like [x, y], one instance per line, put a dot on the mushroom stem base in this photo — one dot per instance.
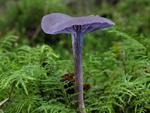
[77, 43]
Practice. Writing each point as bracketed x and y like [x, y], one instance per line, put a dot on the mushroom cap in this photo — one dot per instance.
[56, 23]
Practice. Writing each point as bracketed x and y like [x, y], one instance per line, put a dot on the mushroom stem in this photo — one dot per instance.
[77, 42]
[73, 35]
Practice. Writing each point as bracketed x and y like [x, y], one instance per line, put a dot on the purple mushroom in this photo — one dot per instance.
[56, 23]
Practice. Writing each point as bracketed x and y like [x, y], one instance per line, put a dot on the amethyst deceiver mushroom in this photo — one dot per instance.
[56, 23]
